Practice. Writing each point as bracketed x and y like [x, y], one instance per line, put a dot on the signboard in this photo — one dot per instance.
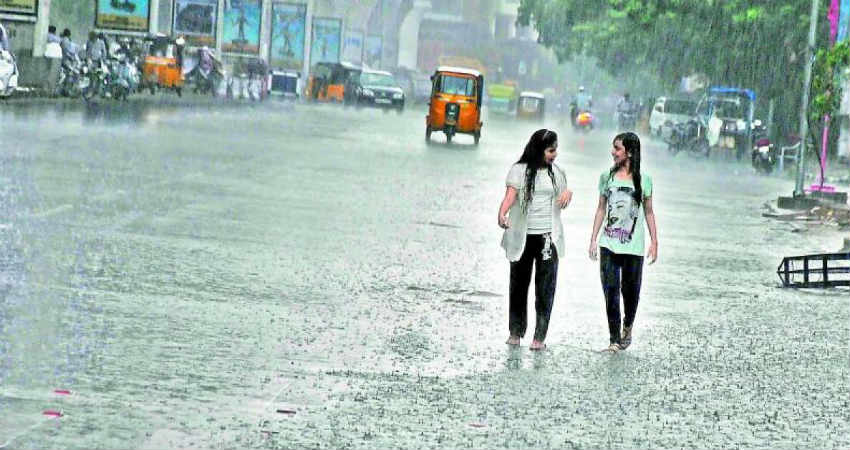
[374, 47]
[325, 45]
[353, 46]
[126, 15]
[287, 45]
[19, 6]
[241, 26]
[196, 21]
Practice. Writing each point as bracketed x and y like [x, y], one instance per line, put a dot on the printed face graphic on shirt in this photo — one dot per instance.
[622, 214]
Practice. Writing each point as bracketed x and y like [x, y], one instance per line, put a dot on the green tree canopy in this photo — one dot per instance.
[758, 44]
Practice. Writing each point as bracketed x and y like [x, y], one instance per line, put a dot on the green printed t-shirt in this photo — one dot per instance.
[623, 227]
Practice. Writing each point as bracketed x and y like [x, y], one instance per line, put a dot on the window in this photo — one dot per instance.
[529, 103]
[377, 79]
[449, 84]
[679, 107]
[728, 109]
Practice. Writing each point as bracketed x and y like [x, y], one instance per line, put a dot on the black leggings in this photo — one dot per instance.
[611, 266]
[540, 251]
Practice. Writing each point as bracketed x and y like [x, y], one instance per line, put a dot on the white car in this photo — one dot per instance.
[668, 112]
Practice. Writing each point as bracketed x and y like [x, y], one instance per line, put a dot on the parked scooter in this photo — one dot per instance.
[8, 73]
[763, 156]
[98, 75]
[118, 80]
[73, 78]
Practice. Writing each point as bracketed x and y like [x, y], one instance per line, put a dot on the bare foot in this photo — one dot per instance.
[513, 340]
[537, 345]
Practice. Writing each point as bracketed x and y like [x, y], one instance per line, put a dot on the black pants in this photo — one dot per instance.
[539, 250]
[620, 272]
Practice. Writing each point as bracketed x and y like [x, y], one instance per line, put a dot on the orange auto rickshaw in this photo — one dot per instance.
[327, 81]
[162, 67]
[455, 106]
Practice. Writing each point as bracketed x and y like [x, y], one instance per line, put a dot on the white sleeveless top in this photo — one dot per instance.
[513, 239]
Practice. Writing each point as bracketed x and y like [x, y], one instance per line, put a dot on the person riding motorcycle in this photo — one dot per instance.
[626, 113]
[582, 102]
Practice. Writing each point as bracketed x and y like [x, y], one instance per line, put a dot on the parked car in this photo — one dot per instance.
[667, 112]
[374, 88]
[416, 85]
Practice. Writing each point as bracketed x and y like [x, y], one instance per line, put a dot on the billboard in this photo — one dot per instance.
[125, 15]
[353, 48]
[19, 6]
[287, 45]
[241, 26]
[196, 20]
[325, 45]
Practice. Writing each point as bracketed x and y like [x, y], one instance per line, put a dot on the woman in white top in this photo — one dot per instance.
[534, 234]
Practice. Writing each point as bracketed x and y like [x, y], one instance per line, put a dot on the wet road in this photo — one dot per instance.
[252, 277]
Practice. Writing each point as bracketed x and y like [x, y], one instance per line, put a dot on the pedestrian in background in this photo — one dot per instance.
[51, 35]
[625, 200]
[530, 214]
[53, 60]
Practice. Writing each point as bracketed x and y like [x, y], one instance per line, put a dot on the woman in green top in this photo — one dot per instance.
[623, 193]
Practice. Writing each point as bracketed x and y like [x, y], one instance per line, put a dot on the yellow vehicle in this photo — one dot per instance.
[163, 65]
[531, 105]
[327, 81]
[455, 103]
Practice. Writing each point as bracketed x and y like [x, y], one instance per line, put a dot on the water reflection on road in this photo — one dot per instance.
[188, 273]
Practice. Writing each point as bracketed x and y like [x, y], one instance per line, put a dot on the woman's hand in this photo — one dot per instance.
[652, 255]
[565, 198]
[591, 252]
[504, 222]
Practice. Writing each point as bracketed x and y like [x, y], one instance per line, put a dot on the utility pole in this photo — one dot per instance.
[804, 107]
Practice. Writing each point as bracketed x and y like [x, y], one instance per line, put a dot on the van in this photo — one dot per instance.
[668, 112]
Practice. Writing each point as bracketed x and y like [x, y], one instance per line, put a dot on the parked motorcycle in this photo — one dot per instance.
[763, 155]
[73, 78]
[8, 73]
[98, 76]
[123, 78]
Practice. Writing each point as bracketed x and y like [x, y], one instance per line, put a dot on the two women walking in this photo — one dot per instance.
[534, 238]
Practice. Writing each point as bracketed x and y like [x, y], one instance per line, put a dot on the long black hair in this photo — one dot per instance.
[533, 157]
[631, 143]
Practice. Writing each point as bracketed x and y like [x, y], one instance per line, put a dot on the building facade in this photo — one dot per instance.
[290, 34]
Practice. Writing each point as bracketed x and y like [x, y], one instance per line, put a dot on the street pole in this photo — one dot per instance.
[804, 107]
[153, 12]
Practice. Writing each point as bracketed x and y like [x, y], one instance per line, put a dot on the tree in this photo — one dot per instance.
[756, 44]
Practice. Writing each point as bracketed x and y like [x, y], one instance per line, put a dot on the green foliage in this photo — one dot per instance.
[757, 44]
[826, 76]
[732, 41]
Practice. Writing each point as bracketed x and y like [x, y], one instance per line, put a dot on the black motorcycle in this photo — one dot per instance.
[688, 137]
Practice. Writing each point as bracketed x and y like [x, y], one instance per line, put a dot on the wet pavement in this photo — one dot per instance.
[247, 276]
